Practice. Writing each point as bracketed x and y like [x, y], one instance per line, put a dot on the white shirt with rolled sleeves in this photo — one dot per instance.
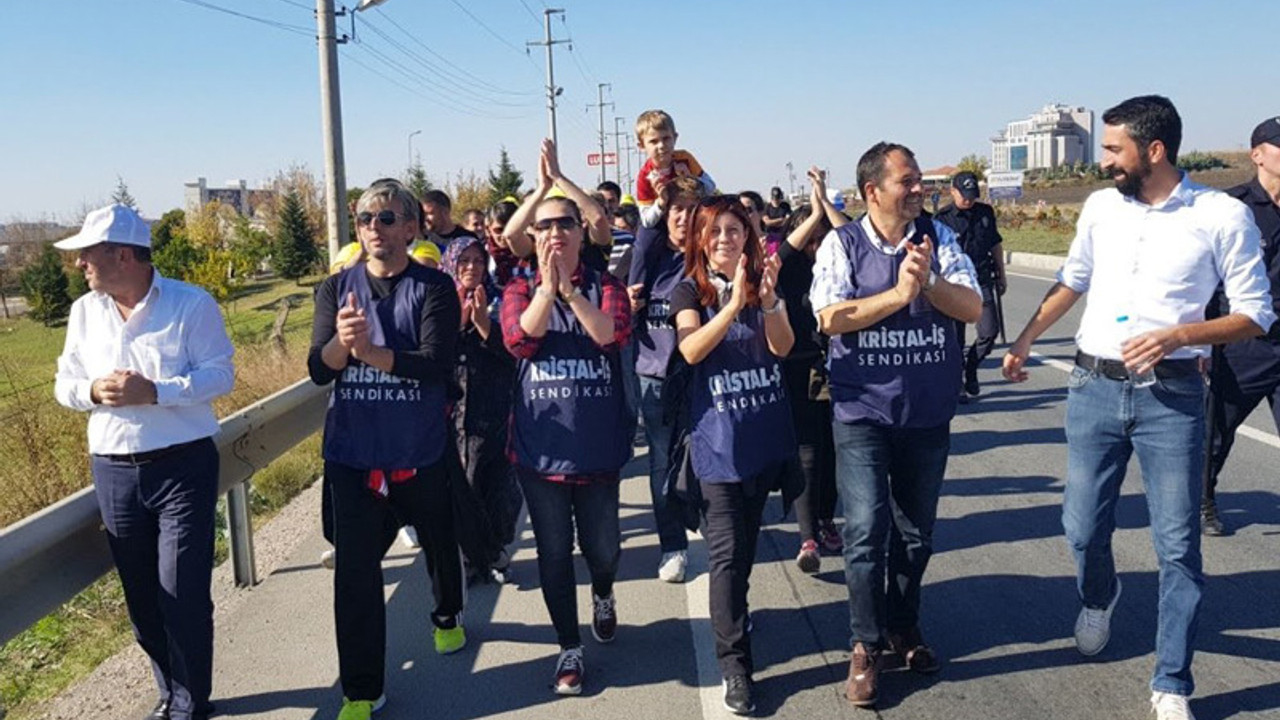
[1159, 265]
[176, 338]
[833, 275]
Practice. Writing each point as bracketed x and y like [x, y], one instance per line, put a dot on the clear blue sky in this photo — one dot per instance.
[163, 91]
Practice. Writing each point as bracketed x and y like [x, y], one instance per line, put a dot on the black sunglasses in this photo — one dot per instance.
[386, 217]
[563, 222]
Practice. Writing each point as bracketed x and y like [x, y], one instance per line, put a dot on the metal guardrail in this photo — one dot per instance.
[49, 557]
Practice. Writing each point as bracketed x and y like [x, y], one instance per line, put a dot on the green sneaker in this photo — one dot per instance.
[356, 710]
[449, 641]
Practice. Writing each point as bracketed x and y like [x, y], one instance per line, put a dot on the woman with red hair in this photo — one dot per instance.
[732, 330]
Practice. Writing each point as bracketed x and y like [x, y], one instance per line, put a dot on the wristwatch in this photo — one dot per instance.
[575, 293]
[544, 291]
[933, 280]
[778, 305]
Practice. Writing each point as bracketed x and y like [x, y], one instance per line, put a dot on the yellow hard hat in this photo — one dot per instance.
[627, 199]
[555, 192]
[425, 251]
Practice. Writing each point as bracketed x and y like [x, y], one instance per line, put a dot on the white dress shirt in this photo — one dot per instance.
[833, 274]
[1159, 265]
[175, 338]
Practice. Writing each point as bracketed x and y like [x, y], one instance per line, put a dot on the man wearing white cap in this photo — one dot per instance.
[145, 355]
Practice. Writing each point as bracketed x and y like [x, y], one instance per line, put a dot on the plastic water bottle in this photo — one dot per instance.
[1139, 379]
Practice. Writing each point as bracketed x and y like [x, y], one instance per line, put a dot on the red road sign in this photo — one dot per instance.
[593, 159]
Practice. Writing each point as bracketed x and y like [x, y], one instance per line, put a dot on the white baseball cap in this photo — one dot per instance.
[115, 224]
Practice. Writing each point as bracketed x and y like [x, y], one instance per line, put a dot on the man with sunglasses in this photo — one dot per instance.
[385, 332]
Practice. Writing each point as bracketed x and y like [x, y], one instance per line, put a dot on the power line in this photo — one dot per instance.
[490, 30]
[459, 87]
[454, 104]
[446, 60]
[296, 29]
[310, 8]
[532, 14]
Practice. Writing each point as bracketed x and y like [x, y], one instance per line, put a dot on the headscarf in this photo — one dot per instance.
[449, 263]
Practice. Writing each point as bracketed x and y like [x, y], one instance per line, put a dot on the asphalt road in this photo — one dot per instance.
[998, 605]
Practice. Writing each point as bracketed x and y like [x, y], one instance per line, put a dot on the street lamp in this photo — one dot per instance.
[415, 132]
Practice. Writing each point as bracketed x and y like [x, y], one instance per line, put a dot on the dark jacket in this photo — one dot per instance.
[977, 235]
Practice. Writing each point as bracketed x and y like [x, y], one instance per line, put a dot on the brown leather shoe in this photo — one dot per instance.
[915, 654]
[864, 670]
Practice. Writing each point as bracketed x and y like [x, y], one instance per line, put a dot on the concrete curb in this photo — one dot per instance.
[1031, 260]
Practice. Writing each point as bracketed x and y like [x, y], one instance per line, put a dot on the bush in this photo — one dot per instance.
[1195, 161]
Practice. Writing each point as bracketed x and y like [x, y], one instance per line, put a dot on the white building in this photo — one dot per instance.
[236, 194]
[1057, 135]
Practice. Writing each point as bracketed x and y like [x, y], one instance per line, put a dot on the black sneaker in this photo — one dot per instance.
[1210, 523]
[737, 695]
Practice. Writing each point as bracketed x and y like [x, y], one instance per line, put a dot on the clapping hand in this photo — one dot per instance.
[769, 282]
[353, 327]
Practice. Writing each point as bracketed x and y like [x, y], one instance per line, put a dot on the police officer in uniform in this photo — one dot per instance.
[1245, 372]
[975, 226]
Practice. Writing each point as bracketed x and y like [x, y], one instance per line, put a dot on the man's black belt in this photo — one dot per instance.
[1115, 369]
[151, 455]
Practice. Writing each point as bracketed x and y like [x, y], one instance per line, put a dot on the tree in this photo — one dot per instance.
[975, 164]
[415, 178]
[121, 195]
[169, 225]
[506, 181]
[294, 252]
[468, 192]
[44, 285]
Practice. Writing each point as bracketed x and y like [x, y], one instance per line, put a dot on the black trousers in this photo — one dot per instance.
[987, 330]
[815, 450]
[493, 478]
[731, 528]
[1230, 405]
[159, 517]
[558, 511]
[364, 527]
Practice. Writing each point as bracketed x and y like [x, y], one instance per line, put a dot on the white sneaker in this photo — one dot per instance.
[673, 565]
[1093, 627]
[327, 559]
[409, 537]
[1168, 706]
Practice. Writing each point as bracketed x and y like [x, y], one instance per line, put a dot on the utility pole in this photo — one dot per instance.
[617, 150]
[335, 176]
[601, 105]
[552, 90]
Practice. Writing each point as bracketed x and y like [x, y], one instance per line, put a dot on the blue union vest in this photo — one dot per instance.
[904, 371]
[738, 406]
[655, 337]
[570, 417]
[377, 420]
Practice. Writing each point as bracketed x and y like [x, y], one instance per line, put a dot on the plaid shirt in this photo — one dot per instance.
[614, 301]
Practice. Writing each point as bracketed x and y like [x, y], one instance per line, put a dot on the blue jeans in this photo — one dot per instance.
[555, 510]
[671, 535]
[888, 480]
[1107, 421]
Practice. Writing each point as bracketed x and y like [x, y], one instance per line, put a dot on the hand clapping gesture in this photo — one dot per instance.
[353, 328]
[769, 283]
[914, 272]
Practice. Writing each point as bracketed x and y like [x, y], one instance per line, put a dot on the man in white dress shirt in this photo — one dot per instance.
[1149, 253]
[145, 356]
